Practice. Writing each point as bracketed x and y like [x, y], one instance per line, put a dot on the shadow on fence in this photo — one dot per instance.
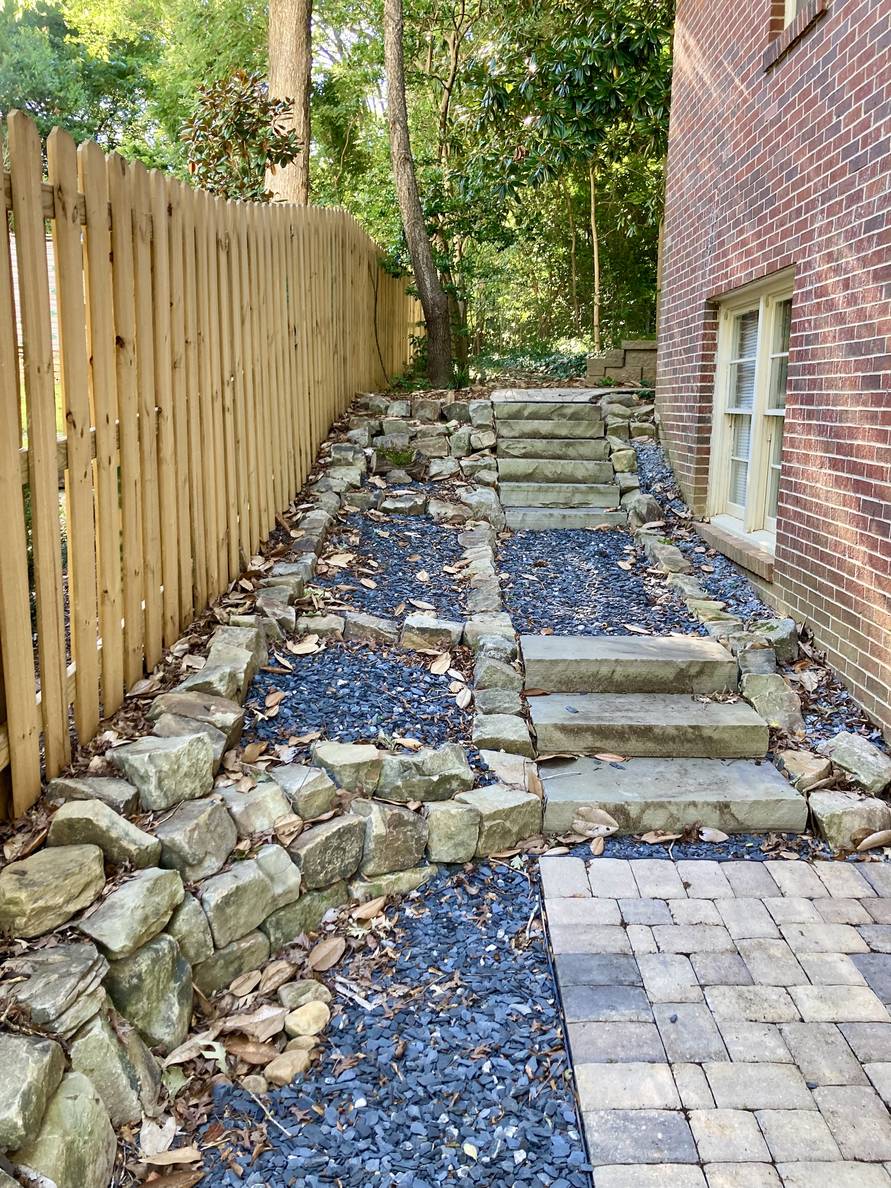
[204, 348]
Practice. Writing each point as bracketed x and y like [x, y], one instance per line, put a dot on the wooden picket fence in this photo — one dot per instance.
[204, 348]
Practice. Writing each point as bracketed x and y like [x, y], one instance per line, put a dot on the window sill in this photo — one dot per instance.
[750, 551]
[794, 31]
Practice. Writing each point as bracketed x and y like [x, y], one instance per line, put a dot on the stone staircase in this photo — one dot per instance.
[554, 468]
[687, 758]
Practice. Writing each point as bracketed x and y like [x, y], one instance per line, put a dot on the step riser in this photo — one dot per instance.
[653, 741]
[556, 519]
[566, 495]
[761, 816]
[550, 429]
[552, 470]
[534, 410]
[594, 450]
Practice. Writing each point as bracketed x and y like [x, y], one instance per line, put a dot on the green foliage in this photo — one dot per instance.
[535, 359]
[235, 132]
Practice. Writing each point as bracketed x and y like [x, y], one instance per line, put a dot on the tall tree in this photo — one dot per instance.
[432, 295]
[290, 77]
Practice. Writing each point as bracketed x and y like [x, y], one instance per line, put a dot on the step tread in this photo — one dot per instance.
[593, 449]
[550, 429]
[647, 724]
[735, 795]
[564, 471]
[627, 664]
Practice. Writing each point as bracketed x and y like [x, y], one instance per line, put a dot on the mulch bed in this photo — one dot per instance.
[446, 1061]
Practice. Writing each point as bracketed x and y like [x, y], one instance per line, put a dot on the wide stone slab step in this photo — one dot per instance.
[550, 429]
[554, 470]
[627, 664]
[535, 410]
[647, 724]
[595, 449]
[558, 494]
[565, 519]
[734, 795]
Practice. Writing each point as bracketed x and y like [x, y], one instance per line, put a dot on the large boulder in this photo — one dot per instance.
[452, 831]
[134, 913]
[59, 987]
[153, 989]
[846, 818]
[330, 852]
[858, 758]
[507, 816]
[91, 822]
[189, 928]
[257, 810]
[76, 1145]
[353, 766]
[44, 890]
[303, 915]
[229, 963]
[117, 794]
[776, 702]
[309, 790]
[31, 1068]
[197, 839]
[395, 837]
[166, 771]
[222, 713]
[123, 1071]
[432, 773]
[236, 901]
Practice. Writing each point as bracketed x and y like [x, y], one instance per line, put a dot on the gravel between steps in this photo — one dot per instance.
[456, 1070]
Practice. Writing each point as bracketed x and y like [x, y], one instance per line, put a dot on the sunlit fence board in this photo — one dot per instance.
[203, 349]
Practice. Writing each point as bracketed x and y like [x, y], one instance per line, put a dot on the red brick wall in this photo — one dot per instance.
[791, 166]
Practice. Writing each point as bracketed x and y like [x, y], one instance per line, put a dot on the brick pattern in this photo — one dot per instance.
[728, 1022]
[767, 169]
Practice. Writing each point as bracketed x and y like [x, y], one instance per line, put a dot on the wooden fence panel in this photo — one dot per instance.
[204, 348]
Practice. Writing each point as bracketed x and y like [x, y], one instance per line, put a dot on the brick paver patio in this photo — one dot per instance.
[728, 1021]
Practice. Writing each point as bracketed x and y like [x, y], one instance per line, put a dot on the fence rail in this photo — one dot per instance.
[204, 348]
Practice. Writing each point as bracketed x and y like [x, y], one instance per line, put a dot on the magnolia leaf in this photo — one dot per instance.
[708, 834]
[252, 752]
[250, 1051]
[180, 1155]
[597, 846]
[367, 911]
[156, 1136]
[416, 602]
[412, 744]
[608, 757]
[655, 836]
[275, 975]
[441, 664]
[463, 698]
[305, 647]
[422, 575]
[327, 953]
[874, 840]
[245, 984]
[368, 583]
[636, 630]
[261, 1024]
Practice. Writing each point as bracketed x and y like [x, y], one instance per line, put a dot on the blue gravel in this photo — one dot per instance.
[747, 846]
[463, 1044]
[571, 582]
[351, 692]
[400, 548]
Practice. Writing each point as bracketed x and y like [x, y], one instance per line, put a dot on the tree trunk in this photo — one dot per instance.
[290, 77]
[595, 256]
[573, 270]
[432, 295]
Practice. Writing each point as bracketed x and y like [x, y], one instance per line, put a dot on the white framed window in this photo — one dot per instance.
[749, 408]
[791, 12]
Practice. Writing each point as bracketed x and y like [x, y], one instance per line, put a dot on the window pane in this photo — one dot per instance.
[746, 336]
[773, 478]
[742, 385]
[782, 323]
[740, 452]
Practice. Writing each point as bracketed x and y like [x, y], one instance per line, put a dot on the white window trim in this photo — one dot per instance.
[754, 523]
[791, 11]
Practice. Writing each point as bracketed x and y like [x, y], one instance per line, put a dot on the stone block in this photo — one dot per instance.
[776, 702]
[117, 794]
[860, 759]
[197, 839]
[223, 714]
[236, 901]
[507, 816]
[622, 1137]
[303, 915]
[75, 1147]
[310, 791]
[166, 771]
[152, 988]
[370, 628]
[731, 1136]
[134, 912]
[42, 891]
[258, 809]
[432, 773]
[452, 831]
[281, 873]
[803, 769]
[122, 1070]
[397, 882]
[189, 928]
[425, 632]
[227, 964]
[395, 837]
[502, 732]
[330, 852]
[32, 1067]
[91, 822]
[781, 635]
[353, 766]
[846, 818]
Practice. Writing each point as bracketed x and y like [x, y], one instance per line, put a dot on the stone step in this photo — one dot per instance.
[596, 449]
[559, 494]
[550, 429]
[554, 470]
[541, 410]
[562, 519]
[735, 795]
[627, 664]
[645, 724]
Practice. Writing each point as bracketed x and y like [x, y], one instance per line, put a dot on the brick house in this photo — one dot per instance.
[774, 374]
